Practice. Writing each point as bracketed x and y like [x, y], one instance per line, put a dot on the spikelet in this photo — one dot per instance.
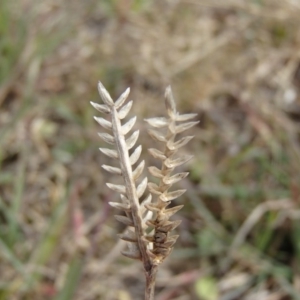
[174, 124]
[136, 214]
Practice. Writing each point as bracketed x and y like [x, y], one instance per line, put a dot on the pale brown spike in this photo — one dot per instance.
[157, 136]
[155, 172]
[185, 117]
[130, 142]
[157, 154]
[112, 170]
[141, 187]
[135, 155]
[117, 188]
[176, 145]
[154, 188]
[157, 122]
[184, 126]
[105, 95]
[170, 103]
[138, 170]
[128, 126]
[165, 197]
[104, 123]
[175, 162]
[175, 178]
[128, 236]
[122, 98]
[110, 152]
[124, 110]
[107, 138]
[125, 220]
[101, 107]
[121, 206]
[149, 238]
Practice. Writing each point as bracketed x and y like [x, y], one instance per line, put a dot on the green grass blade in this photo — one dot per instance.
[7, 253]
[48, 243]
[16, 203]
[72, 279]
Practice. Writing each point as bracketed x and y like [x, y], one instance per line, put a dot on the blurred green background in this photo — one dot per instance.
[236, 63]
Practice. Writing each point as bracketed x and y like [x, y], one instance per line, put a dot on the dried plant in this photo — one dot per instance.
[149, 226]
